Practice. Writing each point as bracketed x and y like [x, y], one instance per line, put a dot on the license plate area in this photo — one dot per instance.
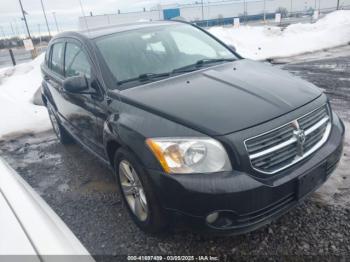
[308, 182]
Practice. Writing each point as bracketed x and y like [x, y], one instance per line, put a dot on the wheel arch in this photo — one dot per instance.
[111, 148]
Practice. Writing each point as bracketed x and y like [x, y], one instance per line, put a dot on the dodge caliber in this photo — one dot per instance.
[194, 133]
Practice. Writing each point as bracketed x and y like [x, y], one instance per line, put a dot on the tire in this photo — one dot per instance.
[154, 221]
[63, 136]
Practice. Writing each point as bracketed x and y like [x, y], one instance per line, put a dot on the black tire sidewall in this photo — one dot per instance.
[64, 137]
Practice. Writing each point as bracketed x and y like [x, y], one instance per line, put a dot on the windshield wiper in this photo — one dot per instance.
[201, 63]
[152, 76]
[144, 77]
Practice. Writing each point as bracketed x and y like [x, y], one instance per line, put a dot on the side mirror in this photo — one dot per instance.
[75, 84]
[232, 48]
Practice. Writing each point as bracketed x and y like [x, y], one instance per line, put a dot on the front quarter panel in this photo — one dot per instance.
[132, 126]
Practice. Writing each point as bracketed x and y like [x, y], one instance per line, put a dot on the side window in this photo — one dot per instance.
[76, 62]
[57, 58]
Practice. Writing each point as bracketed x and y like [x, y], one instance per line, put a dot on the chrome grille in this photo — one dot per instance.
[282, 147]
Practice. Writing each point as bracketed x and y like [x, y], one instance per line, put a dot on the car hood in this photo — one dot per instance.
[225, 98]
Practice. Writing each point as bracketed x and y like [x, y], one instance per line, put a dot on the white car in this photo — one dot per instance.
[29, 229]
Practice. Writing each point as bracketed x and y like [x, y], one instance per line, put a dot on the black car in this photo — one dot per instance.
[193, 132]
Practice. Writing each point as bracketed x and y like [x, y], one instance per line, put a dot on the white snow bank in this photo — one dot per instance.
[336, 189]
[17, 111]
[261, 42]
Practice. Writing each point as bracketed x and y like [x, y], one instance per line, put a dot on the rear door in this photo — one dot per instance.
[67, 58]
[53, 74]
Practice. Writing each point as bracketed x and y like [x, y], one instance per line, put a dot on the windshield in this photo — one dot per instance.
[159, 51]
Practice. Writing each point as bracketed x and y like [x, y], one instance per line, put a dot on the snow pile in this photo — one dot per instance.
[336, 189]
[261, 42]
[17, 87]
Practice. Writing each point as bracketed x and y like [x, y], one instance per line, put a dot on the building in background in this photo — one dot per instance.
[212, 11]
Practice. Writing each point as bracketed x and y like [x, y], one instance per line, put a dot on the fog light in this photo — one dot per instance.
[211, 218]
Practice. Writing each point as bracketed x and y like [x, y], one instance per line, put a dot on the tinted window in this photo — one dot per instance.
[76, 62]
[57, 58]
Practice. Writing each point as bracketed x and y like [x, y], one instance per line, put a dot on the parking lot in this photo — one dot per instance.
[83, 192]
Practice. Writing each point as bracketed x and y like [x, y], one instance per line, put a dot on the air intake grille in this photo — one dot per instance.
[280, 148]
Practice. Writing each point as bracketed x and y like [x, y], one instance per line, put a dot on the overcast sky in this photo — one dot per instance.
[66, 11]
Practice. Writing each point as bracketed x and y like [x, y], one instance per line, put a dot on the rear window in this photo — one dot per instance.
[57, 58]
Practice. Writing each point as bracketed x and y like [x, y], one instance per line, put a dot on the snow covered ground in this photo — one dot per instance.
[261, 42]
[18, 114]
[18, 84]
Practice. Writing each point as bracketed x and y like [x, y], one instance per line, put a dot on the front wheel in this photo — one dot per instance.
[137, 193]
[61, 133]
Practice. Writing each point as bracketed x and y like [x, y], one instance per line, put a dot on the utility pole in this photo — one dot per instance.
[338, 4]
[13, 31]
[33, 52]
[319, 6]
[2, 31]
[39, 34]
[159, 7]
[291, 7]
[24, 19]
[202, 10]
[47, 24]
[245, 11]
[16, 27]
[54, 17]
[265, 11]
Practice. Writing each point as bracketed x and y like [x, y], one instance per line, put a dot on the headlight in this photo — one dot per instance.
[190, 155]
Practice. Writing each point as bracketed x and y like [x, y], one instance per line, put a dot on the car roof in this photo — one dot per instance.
[111, 29]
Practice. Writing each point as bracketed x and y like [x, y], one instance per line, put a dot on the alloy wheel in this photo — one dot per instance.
[133, 190]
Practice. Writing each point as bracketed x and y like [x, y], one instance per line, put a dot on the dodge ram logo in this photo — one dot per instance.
[300, 136]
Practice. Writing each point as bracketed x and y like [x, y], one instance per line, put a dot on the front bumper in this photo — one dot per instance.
[243, 201]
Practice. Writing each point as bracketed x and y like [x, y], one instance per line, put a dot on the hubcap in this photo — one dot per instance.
[133, 190]
[54, 122]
